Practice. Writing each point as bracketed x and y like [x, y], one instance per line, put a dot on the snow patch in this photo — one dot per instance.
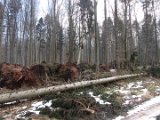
[130, 85]
[124, 92]
[157, 90]
[138, 85]
[145, 105]
[98, 99]
[34, 108]
[39, 105]
[119, 118]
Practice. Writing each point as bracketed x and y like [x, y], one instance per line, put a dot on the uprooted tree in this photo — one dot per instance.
[14, 76]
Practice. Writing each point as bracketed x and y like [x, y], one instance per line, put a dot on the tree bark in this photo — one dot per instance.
[106, 41]
[96, 38]
[7, 97]
[116, 34]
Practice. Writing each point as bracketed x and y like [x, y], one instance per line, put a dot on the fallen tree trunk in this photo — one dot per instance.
[7, 97]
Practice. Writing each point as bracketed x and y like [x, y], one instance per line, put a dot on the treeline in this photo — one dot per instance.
[70, 32]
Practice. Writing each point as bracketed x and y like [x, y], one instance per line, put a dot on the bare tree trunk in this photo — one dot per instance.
[145, 59]
[115, 33]
[1, 28]
[7, 97]
[106, 40]
[12, 40]
[96, 37]
[125, 31]
[71, 32]
[7, 39]
[31, 33]
[54, 32]
[81, 37]
[89, 48]
[155, 34]
[80, 45]
[132, 44]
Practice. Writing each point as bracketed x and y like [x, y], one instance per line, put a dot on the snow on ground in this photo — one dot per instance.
[133, 92]
[145, 105]
[151, 114]
[35, 108]
[98, 99]
[38, 105]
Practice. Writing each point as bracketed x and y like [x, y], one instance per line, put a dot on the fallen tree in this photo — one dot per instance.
[12, 96]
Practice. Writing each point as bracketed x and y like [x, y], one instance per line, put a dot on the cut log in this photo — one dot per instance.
[12, 96]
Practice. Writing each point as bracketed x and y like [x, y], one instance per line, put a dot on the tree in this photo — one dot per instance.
[105, 40]
[116, 34]
[96, 37]
[60, 43]
[107, 34]
[41, 33]
[87, 25]
[155, 33]
[2, 9]
[71, 32]
[136, 36]
[13, 9]
[148, 35]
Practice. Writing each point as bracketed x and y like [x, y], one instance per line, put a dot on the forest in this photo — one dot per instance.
[26, 39]
[90, 46]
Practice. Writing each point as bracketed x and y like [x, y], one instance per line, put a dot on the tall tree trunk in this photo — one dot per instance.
[7, 39]
[89, 48]
[81, 37]
[132, 44]
[146, 59]
[71, 33]
[1, 28]
[12, 41]
[55, 30]
[155, 34]
[115, 34]
[125, 31]
[96, 37]
[31, 33]
[80, 43]
[106, 40]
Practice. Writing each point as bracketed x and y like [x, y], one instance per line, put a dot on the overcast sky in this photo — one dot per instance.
[100, 10]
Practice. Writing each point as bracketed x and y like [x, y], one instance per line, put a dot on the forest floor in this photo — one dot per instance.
[112, 100]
